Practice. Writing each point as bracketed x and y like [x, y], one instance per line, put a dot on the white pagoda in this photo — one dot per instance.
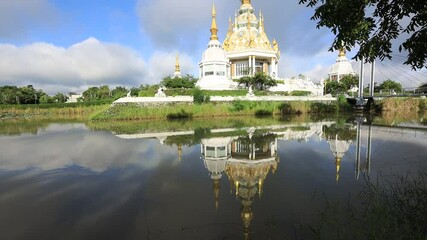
[246, 51]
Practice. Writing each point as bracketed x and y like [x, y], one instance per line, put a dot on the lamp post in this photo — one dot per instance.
[35, 98]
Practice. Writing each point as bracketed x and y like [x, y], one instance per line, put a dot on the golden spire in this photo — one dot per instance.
[177, 67]
[246, 1]
[230, 27]
[337, 164]
[216, 188]
[214, 28]
[260, 184]
[179, 148]
[342, 52]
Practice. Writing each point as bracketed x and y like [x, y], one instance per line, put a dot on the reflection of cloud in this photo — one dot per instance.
[96, 151]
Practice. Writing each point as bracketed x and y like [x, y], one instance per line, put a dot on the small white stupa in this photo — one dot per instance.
[214, 67]
[341, 68]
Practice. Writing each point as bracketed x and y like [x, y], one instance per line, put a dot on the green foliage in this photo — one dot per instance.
[263, 112]
[346, 83]
[422, 105]
[422, 88]
[391, 85]
[179, 115]
[285, 108]
[119, 92]
[237, 106]
[187, 81]
[300, 93]
[318, 107]
[260, 81]
[375, 30]
[199, 97]
[148, 90]
[21, 95]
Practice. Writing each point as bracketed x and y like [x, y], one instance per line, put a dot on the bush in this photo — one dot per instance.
[285, 108]
[263, 112]
[422, 105]
[237, 106]
[300, 93]
[200, 97]
[179, 115]
[319, 107]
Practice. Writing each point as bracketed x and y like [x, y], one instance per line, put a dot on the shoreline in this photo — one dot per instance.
[189, 110]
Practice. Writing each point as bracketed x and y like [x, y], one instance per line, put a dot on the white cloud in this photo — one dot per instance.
[18, 17]
[87, 63]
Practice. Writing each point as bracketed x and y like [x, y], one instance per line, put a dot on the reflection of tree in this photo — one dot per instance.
[344, 132]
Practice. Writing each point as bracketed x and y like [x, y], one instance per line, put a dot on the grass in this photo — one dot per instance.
[82, 112]
[386, 209]
[207, 110]
[402, 104]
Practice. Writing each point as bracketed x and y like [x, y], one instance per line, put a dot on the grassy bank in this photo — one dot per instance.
[52, 111]
[236, 108]
[402, 104]
[391, 207]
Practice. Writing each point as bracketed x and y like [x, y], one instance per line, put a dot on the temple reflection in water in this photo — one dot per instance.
[247, 160]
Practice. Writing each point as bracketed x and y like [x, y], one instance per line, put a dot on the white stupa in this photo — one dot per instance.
[341, 68]
[214, 66]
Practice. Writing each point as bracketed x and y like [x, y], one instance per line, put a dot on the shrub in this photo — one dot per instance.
[422, 105]
[285, 108]
[318, 107]
[200, 97]
[263, 112]
[300, 93]
[179, 115]
[237, 106]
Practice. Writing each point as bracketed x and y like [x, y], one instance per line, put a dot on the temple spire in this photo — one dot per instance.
[214, 28]
[342, 52]
[246, 1]
[177, 67]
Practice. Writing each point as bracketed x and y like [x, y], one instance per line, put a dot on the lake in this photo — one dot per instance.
[303, 177]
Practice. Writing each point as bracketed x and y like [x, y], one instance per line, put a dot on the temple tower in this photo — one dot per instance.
[214, 67]
[247, 46]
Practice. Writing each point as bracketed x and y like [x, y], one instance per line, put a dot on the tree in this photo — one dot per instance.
[46, 99]
[345, 84]
[422, 88]
[352, 24]
[259, 81]
[91, 94]
[104, 92]
[187, 81]
[349, 81]
[391, 85]
[119, 92]
[60, 97]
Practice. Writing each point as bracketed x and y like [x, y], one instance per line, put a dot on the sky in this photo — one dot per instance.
[67, 46]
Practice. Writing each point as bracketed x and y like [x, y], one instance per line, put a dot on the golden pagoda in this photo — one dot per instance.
[248, 46]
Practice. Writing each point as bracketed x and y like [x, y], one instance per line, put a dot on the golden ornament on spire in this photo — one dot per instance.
[246, 1]
[177, 67]
[214, 28]
[342, 52]
[337, 165]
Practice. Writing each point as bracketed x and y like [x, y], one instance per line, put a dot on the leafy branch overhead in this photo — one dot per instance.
[353, 24]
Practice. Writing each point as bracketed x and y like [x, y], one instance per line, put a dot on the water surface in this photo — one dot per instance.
[221, 179]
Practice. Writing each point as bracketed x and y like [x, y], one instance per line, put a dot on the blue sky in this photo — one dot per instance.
[68, 45]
